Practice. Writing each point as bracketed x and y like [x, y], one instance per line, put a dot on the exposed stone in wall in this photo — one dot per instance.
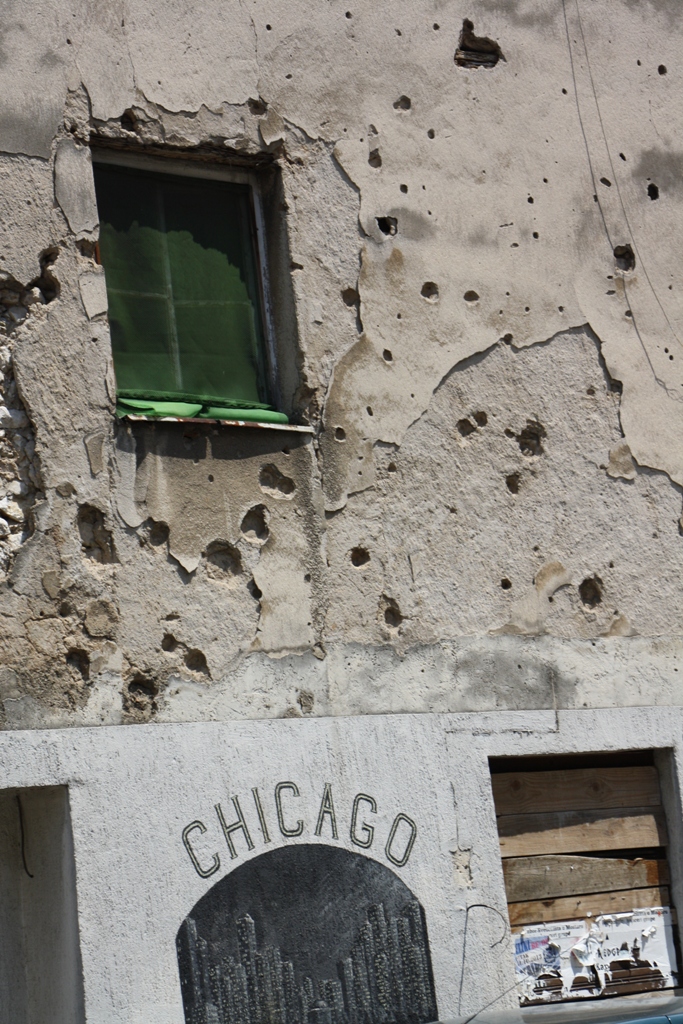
[20, 481]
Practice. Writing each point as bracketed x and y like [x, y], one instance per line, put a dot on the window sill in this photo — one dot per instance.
[290, 427]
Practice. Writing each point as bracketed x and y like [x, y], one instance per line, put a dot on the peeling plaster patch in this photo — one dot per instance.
[75, 187]
[462, 868]
[94, 445]
[621, 464]
[93, 293]
[528, 615]
[442, 552]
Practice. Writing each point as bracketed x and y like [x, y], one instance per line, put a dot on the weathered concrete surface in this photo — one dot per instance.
[493, 376]
[135, 881]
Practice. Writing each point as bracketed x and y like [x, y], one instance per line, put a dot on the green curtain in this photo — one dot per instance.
[184, 295]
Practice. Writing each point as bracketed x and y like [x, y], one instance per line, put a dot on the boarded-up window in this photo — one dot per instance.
[587, 880]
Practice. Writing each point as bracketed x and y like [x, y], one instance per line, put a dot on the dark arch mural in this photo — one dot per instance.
[307, 934]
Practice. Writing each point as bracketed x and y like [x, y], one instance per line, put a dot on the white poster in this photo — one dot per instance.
[614, 954]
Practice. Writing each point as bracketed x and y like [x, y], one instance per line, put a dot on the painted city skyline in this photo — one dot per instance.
[307, 934]
[384, 979]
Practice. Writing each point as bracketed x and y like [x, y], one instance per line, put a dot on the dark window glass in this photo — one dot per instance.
[183, 289]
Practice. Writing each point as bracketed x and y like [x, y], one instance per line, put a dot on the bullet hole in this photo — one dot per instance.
[391, 468]
[350, 297]
[65, 609]
[465, 427]
[375, 159]
[507, 338]
[387, 225]
[624, 256]
[348, 14]
[590, 391]
[436, 27]
[129, 121]
[527, 309]
[96, 540]
[564, 92]
[387, 356]
[296, 266]
[157, 533]
[560, 309]
[47, 282]
[480, 418]
[398, 316]
[611, 565]
[275, 483]
[340, 434]
[255, 525]
[253, 589]
[398, 32]
[530, 199]
[590, 591]
[515, 245]
[195, 661]
[289, 76]
[222, 560]
[653, 191]
[403, 103]
[404, 189]
[471, 296]
[512, 482]
[628, 313]
[359, 557]
[606, 181]
[392, 613]
[431, 134]
[535, 234]
[79, 660]
[141, 694]
[429, 291]
[369, 411]
[307, 577]
[169, 643]
[622, 156]
[268, 28]
[662, 69]
[257, 106]
[505, 583]
[210, 478]
[476, 51]
[530, 437]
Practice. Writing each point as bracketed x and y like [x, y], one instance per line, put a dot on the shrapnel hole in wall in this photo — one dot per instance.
[476, 51]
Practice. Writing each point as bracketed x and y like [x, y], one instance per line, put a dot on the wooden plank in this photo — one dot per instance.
[577, 789]
[540, 878]
[523, 835]
[569, 908]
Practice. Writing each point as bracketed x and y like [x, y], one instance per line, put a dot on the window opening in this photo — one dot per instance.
[186, 310]
[583, 843]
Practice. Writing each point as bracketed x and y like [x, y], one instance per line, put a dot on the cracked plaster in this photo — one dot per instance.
[386, 374]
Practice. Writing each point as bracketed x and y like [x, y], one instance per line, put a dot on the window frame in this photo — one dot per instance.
[198, 169]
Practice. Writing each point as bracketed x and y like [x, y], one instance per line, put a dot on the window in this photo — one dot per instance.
[183, 267]
[584, 848]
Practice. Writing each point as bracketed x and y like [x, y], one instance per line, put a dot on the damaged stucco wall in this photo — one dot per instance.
[478, 298]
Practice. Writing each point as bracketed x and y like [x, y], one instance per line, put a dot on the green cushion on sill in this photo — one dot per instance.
[139, 407]
[215, 412]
